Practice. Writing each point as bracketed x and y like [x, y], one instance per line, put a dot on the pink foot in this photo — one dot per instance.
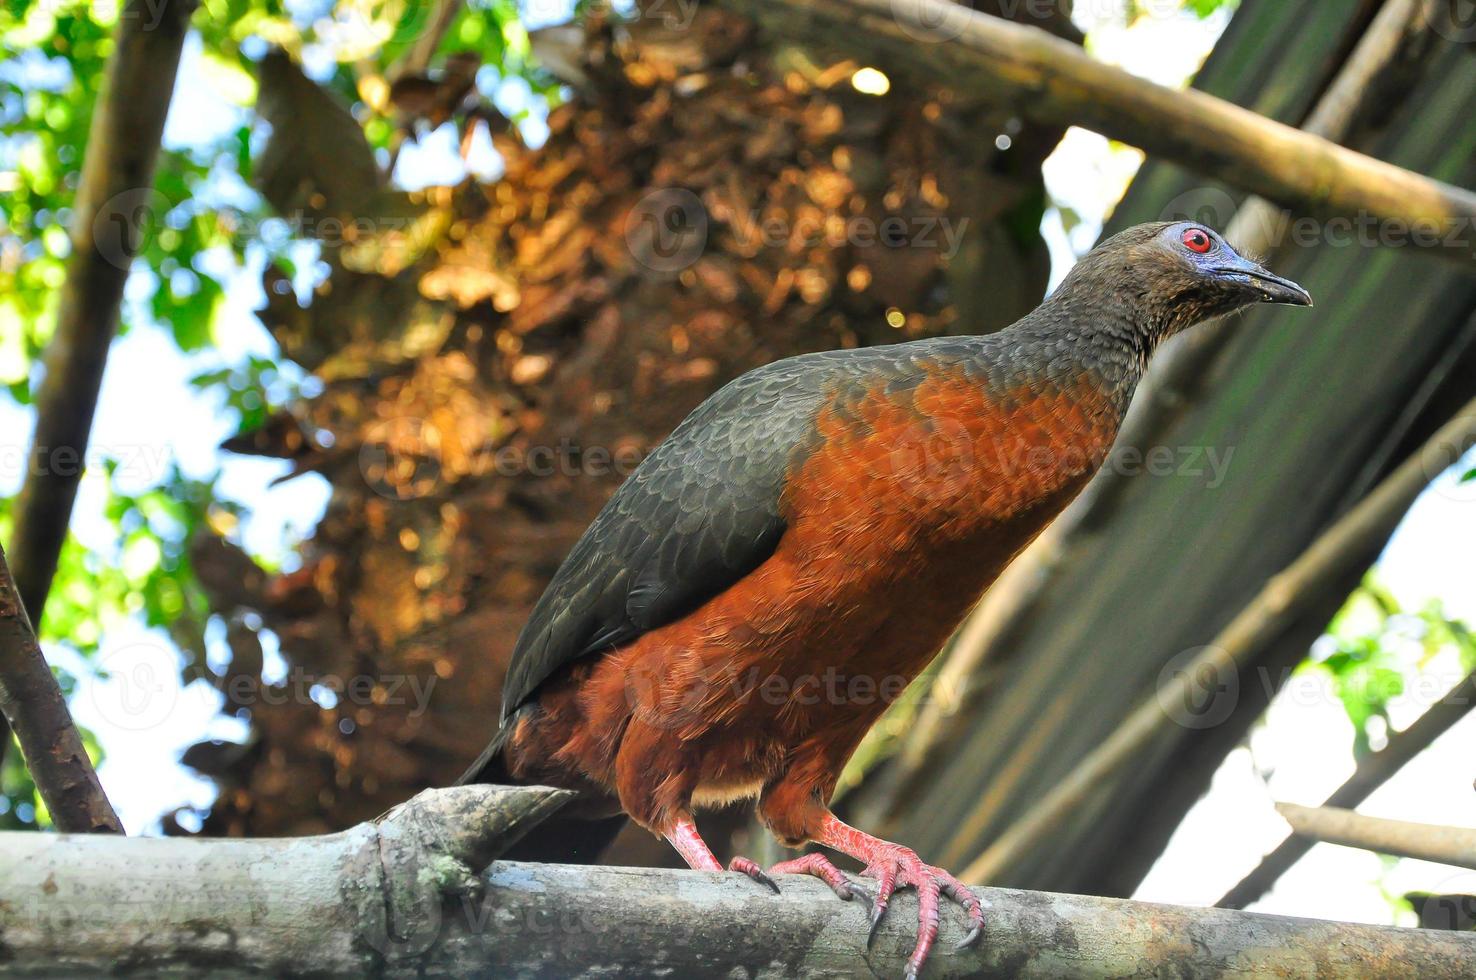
[893, 867]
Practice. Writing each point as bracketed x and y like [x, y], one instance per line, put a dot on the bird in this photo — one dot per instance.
[771, 576]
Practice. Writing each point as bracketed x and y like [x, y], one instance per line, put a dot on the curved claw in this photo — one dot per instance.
[878, 910]
[743, 865]
[964, 895]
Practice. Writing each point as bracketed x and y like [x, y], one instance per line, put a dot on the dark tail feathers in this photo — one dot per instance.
[490, 766]
[558, 840]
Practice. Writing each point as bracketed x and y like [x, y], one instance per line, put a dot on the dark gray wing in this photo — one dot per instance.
[697, 515]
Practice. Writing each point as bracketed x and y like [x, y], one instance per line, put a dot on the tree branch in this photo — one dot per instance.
[1048, 80]
[114, 195]
[1352, 542]
[33, 705]
[1426, 842]
[394, 898]
[1373, 771]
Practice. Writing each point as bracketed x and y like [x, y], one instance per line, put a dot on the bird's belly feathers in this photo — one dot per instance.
[949, 463]
[909, 509]
[899, 518]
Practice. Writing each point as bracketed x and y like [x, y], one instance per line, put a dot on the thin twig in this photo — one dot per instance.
[1426, 842]
[33, 704]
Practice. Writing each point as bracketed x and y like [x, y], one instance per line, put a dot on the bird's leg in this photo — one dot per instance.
[689, 844]
[894, 866]
[699, 857]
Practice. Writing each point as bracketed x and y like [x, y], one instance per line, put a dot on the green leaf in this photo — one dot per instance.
[1381, 650]
[1206, 8]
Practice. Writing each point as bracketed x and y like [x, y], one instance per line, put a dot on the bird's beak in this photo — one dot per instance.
[1270, 287]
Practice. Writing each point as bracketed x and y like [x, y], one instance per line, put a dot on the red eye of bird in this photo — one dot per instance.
[1197, 240]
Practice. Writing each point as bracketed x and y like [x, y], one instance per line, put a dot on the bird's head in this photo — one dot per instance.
[1168, 276]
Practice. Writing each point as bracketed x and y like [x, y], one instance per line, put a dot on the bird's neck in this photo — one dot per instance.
[1100, 335]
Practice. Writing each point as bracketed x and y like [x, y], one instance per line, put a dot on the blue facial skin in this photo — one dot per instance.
[1223, 263]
